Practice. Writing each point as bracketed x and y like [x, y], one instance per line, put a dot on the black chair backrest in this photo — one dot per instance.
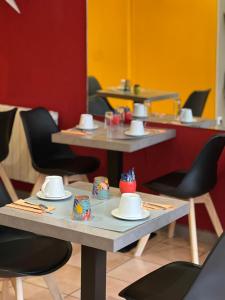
[96, 105]
[6, 124]
[196, 101]
[209, 284]
[202, 176]
[39, 126]
[4, 196]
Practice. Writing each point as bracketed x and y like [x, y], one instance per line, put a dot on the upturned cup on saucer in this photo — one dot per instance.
[86, 121]
[130, 205]
[53, 187]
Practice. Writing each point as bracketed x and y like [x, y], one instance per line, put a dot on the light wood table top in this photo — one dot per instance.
[98, 139]
[80, 232]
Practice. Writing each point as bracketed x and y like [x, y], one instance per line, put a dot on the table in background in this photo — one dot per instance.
[95, 242]
[115, 147]
[174, 120]
[144, 95]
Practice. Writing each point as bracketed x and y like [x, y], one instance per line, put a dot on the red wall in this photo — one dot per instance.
[43, 56]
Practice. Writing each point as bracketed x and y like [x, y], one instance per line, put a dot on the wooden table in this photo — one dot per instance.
[115, 147]
[144, 95]
[95, 242]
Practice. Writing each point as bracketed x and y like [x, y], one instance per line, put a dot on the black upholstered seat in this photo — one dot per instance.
[24, 253]
[52, 158]
[189, 185]
[200, 179]
[196, 102]
[183, 280]
[97, 105]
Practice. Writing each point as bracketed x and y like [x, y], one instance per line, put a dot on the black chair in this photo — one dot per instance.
[97, 105]
[190, 185]
[196, 101]
[51, 158]
[26, 254]
[6, 125]
[183, 280]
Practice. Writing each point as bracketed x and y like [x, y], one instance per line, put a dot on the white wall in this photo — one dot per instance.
[220, 85]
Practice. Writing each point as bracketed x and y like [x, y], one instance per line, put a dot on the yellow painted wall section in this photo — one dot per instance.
[172, 46]
[107, 41]
[175, 47]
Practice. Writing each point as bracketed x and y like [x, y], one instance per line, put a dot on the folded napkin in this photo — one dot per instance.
[32, 207]
[75, 132]
[153, 205]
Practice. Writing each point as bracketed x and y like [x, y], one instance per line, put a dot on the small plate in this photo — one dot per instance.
[87, 129]
[141, 117]
[127, 132]
[145, 214]
[41, 196]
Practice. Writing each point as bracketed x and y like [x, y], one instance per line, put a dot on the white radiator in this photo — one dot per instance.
[18, 163]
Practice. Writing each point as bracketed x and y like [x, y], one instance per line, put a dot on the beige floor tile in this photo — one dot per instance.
[132, 270]
[114, 286]
[163, 253]
[113, 260]
[68, 279]
[32, 292]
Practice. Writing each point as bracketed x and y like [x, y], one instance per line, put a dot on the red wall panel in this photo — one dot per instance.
[43, 56]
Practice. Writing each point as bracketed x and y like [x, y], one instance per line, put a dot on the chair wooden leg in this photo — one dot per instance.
[19, 289]
[38, 184]
[66, 180]
[53, 287]
[141, 245]
[7, 183]
[213, 215]
[5, 289]
[193, 232]
[171, 229]
[78, 177]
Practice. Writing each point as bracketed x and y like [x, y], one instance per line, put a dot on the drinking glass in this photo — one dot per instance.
[109, 122]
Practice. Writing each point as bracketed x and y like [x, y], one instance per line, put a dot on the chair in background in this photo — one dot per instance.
[6, 125]
[26, 254]
[51, 158]
[183, 280]
[96, 105]
[196, 101]
[194, 186]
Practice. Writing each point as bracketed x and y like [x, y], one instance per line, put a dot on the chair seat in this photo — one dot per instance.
[24, 254]
[167, 185]
[68, 166]
[169, 282]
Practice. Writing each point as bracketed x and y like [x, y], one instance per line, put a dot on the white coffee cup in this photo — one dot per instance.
[86, 121]
[130, 205]
[186, 115]
[53, 187]
[140, 110]
[137, 127]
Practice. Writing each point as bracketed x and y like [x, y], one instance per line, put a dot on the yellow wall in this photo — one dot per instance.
[107, 41]
[173, 45]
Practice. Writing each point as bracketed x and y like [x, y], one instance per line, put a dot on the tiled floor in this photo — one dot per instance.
[123, 268]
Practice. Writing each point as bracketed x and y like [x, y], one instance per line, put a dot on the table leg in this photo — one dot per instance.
[115, 167]
[93, 274]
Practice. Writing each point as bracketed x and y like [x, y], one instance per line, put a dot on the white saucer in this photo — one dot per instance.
[145, 214]
[41, 196]
[140, 116]
[188, 122]
[82, 128]
[128, 132]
